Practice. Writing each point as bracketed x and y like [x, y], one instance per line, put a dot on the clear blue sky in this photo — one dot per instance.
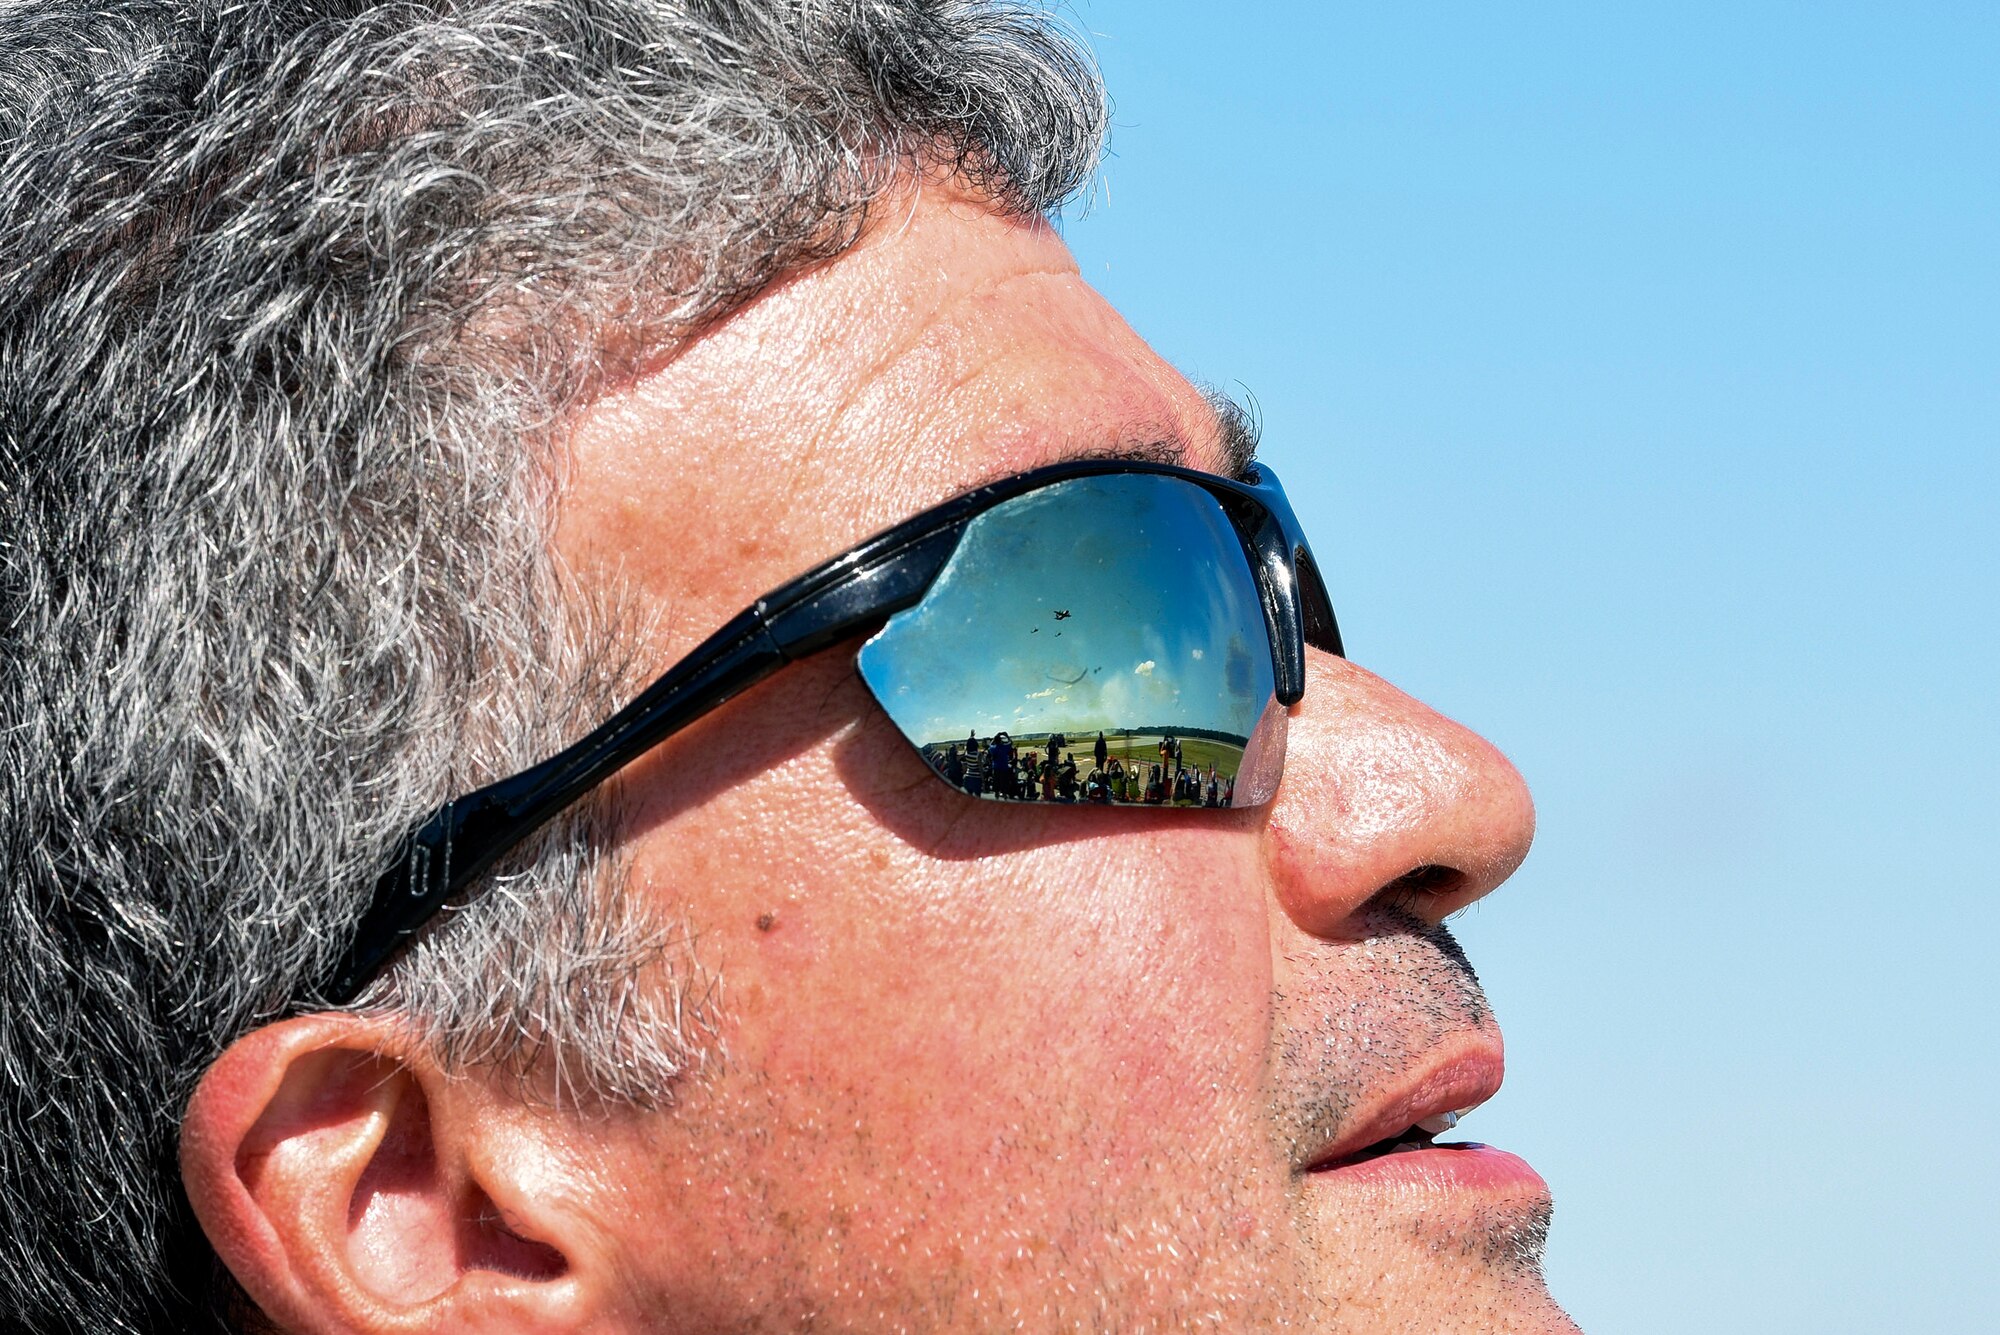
[1636, 369]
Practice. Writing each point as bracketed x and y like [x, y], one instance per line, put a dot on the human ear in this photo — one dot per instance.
[350, 1186]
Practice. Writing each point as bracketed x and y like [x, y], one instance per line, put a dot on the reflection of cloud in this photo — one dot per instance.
[1145, 669]
[1197, 655]
[1042, 694]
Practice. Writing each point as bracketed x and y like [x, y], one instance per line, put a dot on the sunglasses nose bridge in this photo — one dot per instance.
[1314, 606]
[1278, 587]
[1322, 631]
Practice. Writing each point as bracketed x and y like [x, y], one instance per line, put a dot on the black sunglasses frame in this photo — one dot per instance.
[887, 573]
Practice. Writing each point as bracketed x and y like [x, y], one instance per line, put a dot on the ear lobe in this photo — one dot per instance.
[336, 1179]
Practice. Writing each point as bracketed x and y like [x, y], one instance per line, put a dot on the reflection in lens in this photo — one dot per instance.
[1098, 640]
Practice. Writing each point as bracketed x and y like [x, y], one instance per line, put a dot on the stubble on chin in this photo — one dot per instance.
[1507, 1240]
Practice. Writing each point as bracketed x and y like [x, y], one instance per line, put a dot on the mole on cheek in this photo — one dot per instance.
[766, 921]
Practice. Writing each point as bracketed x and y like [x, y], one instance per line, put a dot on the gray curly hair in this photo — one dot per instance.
[294, 299]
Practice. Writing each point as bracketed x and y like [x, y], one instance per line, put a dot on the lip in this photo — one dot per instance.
[1457, 1080]
[1456, 1168]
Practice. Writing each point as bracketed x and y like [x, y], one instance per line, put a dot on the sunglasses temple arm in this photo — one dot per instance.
[464, 839]
[782, 628]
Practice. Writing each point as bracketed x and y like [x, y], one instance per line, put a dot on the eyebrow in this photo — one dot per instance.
[1238, 432]
[1242, 430]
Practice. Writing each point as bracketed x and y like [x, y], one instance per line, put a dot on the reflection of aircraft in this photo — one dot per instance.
[1062, 616]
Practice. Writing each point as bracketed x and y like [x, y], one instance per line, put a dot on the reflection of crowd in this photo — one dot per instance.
[1002, 769]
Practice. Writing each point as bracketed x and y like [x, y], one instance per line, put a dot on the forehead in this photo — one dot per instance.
[949, 346]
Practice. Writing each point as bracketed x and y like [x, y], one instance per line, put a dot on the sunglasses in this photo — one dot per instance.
[1145, 621]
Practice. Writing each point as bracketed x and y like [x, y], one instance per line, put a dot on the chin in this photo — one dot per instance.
[1439, 1295]
[1397, 1254]
[1477, 1306]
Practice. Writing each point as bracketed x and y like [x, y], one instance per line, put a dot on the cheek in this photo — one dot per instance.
[946, 1017]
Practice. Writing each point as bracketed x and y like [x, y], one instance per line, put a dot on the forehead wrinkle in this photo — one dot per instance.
[928, 308]
[1146, 435]
[911, 339]
[936, 319]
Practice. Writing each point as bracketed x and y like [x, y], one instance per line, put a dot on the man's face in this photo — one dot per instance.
[1018, 1067]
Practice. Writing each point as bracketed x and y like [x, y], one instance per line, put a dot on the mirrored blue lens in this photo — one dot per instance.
[1097, 640]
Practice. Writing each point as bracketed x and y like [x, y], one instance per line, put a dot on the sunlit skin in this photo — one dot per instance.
[988, 1067]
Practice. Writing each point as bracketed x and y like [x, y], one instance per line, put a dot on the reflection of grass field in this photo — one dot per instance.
[1144, 749]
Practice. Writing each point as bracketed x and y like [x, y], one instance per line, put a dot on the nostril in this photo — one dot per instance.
[1429, 879]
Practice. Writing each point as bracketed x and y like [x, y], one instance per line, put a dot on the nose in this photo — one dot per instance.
[1384, 796]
